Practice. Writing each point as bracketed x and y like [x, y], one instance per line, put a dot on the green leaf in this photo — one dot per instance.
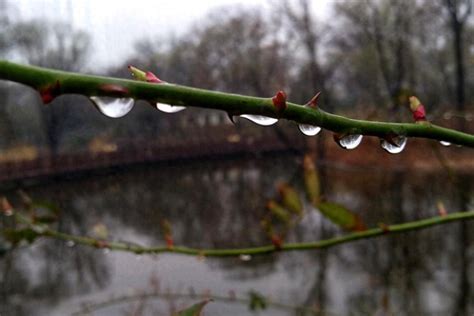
[341, 216]
[278, 211]
[311, 181]
[290, 199]
[194, 310]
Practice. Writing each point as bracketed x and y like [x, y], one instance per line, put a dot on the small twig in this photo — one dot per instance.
[235, 252]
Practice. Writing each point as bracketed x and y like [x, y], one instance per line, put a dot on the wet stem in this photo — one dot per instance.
[52, 83]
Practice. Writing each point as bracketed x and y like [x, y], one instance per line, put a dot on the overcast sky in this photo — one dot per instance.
[115, 25]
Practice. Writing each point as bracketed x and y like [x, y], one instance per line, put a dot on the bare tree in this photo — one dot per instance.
[458, 12]
[56, 46]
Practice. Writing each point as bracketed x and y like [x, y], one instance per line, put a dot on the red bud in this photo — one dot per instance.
[277, 242]
[169, 241]
[441, 209]
[150, 77]
[418, 110]
[419, 114]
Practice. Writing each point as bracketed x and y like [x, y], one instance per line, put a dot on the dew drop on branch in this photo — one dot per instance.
[400, 142]
[168, 108]
[260, 119]
[444, 143]
[309, 130]
[113, 107]
[245, 257]
[350, 141]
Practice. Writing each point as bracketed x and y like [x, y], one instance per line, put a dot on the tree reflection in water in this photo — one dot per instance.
[220, 204]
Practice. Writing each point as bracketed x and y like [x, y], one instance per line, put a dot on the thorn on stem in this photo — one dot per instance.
[49, 92]
[313, 103]
[384, 227]
[279, 101]
[277, 242]
[101, 244]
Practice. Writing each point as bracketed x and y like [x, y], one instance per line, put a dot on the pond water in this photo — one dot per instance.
[219, 203]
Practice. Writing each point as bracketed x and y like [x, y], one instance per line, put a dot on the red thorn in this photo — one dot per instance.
[313, 103]
[169, 241]
[277, 242]
[150, 77]
[279, 101]
[49, 92]
[101, 244]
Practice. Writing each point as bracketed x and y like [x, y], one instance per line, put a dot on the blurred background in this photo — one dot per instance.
[211, 178]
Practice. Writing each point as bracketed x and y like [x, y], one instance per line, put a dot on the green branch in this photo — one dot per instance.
[156, 295]
[65, 82]
[45, 231]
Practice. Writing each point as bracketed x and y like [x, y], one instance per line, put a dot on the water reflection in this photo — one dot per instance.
[220, 204]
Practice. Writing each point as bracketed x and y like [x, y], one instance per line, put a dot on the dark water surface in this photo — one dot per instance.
[219, 203]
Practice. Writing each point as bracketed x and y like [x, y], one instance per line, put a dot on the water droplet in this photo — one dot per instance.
[350, 141]
[244, 257]
[400, 142]
[260, 119]
[168, 108]
[113, 107]
[70, 243]
[309, 130]
[444, 143]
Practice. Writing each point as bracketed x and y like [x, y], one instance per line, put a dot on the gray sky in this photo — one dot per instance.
[115, 25]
